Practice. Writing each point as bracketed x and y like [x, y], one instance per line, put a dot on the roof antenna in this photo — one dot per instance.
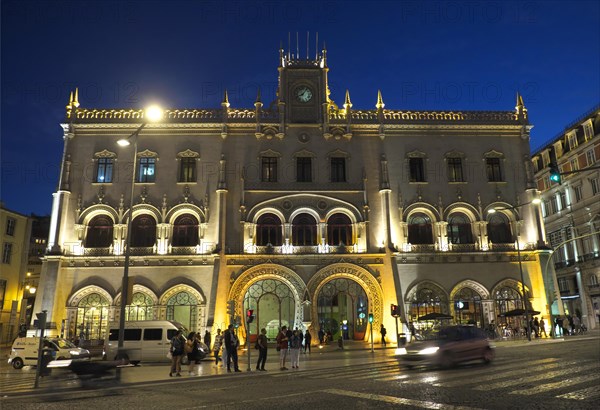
[317, 47]
[289, 47]
[297, 47]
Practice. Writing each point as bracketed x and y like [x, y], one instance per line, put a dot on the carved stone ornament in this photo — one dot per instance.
[188, 153]
[147, 154]
[105, 154]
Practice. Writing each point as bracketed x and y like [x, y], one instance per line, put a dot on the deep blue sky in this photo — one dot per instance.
[422, 55]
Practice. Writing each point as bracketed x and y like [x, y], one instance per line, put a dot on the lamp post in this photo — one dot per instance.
[535, 201]
[152, 114]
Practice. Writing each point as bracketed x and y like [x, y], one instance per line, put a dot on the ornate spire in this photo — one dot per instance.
[225, 103]
[347, 102]
[380, 103]
[76, 98]
[258, 96]
[70, 104]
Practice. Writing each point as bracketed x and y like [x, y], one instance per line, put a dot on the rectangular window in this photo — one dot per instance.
[595, 186]
[338, 169]
[455, 173]
[417, 170]
[6, 253]
[563, 200]
[2, 291]
[572, 140]
[104, 169]
[563, 284]
[494, 172]
[146, 170]
[10, 226]
[574, 164]
[269, 169]
[590, 155]
[153, 334]
[553, 205]
[587, 131]
[304, 169]
[187, 170]
[578, 194]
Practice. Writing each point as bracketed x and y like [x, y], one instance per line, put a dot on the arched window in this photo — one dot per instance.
[185, 231]
[304, 230]
[420, 231]
[593, 280]
[143, 231]
[459, 229]
[268, 230]
[99, 232]
[499, 229]
[339, 230]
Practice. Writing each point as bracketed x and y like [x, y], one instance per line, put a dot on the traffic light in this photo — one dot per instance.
[370, 317]
[555, 173]
[237, 322]
[231, 307]
[395, 310]
[249, 316]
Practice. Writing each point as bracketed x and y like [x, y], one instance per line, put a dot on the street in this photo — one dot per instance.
[549, 374]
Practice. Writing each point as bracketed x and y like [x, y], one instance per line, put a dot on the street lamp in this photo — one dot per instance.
[535, 201]
[151, 114]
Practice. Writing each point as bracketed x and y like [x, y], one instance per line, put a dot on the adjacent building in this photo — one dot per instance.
[311, 213]
[571, 211]
[15, 230]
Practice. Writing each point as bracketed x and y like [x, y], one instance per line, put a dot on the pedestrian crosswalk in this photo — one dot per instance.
[541, 376]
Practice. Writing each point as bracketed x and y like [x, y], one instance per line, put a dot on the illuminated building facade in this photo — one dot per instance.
[308, 212]
[14, 283]
[572, 214]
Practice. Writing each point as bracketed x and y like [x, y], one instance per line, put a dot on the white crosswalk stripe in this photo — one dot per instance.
[582, 394]
[553, 372]
[564, 371]
[557, 385]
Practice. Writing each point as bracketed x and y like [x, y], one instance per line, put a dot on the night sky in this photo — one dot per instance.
[182, 54]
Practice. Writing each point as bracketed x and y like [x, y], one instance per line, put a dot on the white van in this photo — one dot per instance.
[145, 340]
[24, 351]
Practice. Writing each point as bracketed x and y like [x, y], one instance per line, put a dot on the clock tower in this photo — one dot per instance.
[303, 93]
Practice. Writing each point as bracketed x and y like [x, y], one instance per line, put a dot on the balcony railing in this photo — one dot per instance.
[184, 250]
[141, 251]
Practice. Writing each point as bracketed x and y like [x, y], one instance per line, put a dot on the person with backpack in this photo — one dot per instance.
[177, 346]
[261, 345]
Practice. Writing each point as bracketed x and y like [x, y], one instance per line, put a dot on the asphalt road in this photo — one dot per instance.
[559, 375]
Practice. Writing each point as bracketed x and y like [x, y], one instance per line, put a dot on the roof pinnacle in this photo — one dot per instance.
[347, 102]
[225, 102]
[76, 98]
[380, 103]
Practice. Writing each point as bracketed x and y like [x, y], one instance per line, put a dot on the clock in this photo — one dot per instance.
[303, 94]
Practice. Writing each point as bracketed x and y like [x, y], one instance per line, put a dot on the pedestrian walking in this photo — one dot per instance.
[565, 326]
[231, 345]
[543, 328]
[301, 336]
[576, 325]
[191, 349]
[261, 344]
[321, 335]
[307, 341]
[536, 326]
[383, 333]
[295, 344]
[217, 346]
[176, 350]
[207, 338]
[282, 347]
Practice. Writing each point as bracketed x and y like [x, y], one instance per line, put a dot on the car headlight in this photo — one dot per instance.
[74, 352]
[401, 351]
[429, 350]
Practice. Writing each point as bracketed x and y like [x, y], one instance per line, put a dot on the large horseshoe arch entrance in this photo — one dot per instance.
[275, 294]
[345, 292]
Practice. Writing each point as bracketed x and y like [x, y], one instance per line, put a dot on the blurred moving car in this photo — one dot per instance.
[450, 346]
[24, 351]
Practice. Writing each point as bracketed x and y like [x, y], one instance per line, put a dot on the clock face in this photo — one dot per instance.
[303, 94]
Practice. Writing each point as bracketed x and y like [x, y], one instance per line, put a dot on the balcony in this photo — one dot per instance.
[303, 250]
